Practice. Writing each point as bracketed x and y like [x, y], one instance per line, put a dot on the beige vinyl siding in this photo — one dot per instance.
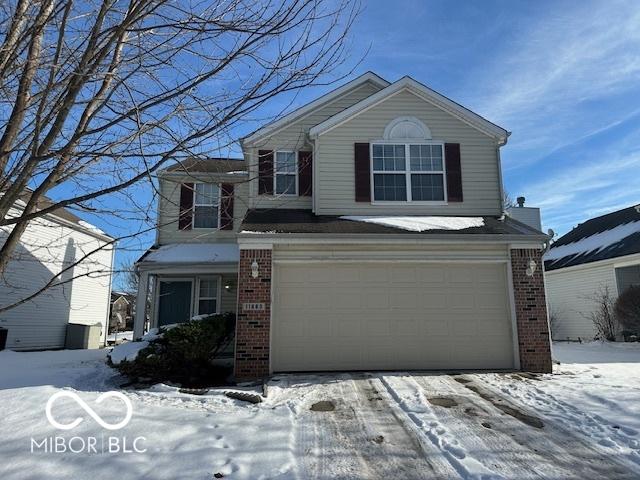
[169, 209]
[46, 248]
[229, 299]
[294, 137]
[335, 164]
[569, 293]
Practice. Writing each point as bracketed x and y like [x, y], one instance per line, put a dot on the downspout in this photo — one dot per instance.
[501, 143]
[106, 330]
[314, 164]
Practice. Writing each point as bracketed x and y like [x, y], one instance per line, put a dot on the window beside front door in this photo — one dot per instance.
[409, 172]
[208, 295]
[206, 205]
[286, 173]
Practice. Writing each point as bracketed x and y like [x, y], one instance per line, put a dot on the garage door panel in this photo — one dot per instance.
[435, 274]
[432, 300]
[390, 316]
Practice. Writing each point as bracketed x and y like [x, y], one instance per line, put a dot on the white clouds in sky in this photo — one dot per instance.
[566, 58]
[567, 84]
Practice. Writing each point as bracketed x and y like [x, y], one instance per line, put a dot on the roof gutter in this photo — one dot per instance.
[370, 238]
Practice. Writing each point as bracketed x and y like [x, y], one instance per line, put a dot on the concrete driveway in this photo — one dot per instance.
[413, 426]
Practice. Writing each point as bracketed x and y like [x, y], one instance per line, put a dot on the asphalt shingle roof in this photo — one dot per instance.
[612, 235]
[209, 165]
[305, 221]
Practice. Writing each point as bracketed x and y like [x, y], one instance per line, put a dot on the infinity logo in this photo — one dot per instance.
[89, 410]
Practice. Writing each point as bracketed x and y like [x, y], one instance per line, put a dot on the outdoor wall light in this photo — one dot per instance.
[254, 269]
[531, 269]
[228, 286]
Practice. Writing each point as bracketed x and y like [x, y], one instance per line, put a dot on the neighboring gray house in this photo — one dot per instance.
[365, 230]
[49, 245]
[600, 254]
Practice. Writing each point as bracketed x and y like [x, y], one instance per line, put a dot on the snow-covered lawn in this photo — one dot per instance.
[581, 422]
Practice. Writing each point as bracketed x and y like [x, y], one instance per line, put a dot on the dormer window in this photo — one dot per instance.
[407, 166]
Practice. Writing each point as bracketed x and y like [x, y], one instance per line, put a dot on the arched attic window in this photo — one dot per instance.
[407, 165]
[406, 128]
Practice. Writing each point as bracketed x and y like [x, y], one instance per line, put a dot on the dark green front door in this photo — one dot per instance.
[175, 302]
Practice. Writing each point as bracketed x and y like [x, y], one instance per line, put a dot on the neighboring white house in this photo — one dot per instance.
[601, 254]
[49, 245]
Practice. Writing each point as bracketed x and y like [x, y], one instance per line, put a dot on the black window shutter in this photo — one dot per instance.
[454, 172]
[265, 172]
[362, 172]
[305, 173]
[185, 218]
[226, 207]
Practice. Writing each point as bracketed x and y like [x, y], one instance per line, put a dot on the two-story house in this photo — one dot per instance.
[363, 231]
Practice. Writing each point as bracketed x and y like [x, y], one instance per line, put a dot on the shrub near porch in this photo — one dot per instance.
[184, 354]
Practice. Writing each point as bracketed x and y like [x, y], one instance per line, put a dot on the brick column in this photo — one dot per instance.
[531, 311]
[253, 323]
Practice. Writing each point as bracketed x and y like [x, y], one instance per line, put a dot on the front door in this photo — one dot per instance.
[174, 304]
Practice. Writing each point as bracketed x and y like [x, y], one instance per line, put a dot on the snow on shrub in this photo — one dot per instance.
[181, 353]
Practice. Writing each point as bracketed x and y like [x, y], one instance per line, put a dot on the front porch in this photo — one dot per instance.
[180, 281]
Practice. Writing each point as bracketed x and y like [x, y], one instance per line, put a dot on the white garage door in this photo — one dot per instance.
[387, 316]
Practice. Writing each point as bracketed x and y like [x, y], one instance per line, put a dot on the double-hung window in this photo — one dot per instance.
[286, 173]
[206, 205]
[409, 172]
[208, 295]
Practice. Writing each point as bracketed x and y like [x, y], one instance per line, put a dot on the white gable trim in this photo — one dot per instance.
[431, 96]
[303, 111]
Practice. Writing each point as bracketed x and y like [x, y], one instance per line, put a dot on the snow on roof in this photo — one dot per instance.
[194, 253]
[594, 243]
[420, 224]
[91, 227]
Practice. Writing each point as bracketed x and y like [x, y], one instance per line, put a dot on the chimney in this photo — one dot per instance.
[528, 215]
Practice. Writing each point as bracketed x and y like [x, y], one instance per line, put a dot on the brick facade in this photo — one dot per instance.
[531, 311]
[253, 325]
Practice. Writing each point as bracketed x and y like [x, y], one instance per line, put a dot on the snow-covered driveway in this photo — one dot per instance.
[582, 422]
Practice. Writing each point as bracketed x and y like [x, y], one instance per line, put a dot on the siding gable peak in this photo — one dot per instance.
[271, 128]
[431, 96]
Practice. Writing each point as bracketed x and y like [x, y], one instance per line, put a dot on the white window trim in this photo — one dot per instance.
[193, 222]
[407, 173]
[197, 298]
[275, 173]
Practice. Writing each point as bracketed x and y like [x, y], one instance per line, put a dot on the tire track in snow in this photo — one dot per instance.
[562, 446]
[392, 450]
[408, 397]
[476, 425]
[620, 440]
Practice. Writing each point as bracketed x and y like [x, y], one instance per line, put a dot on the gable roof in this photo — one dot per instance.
[62, 213]
[424, 92]
[207, 165]
[271, 127]
[609, 236]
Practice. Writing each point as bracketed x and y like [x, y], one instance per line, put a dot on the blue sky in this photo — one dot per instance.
[563, 76]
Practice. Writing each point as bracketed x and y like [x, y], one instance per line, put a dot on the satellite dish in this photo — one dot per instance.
[551, 233]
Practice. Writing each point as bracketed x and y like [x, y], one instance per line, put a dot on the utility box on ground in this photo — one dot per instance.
[81, 336]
